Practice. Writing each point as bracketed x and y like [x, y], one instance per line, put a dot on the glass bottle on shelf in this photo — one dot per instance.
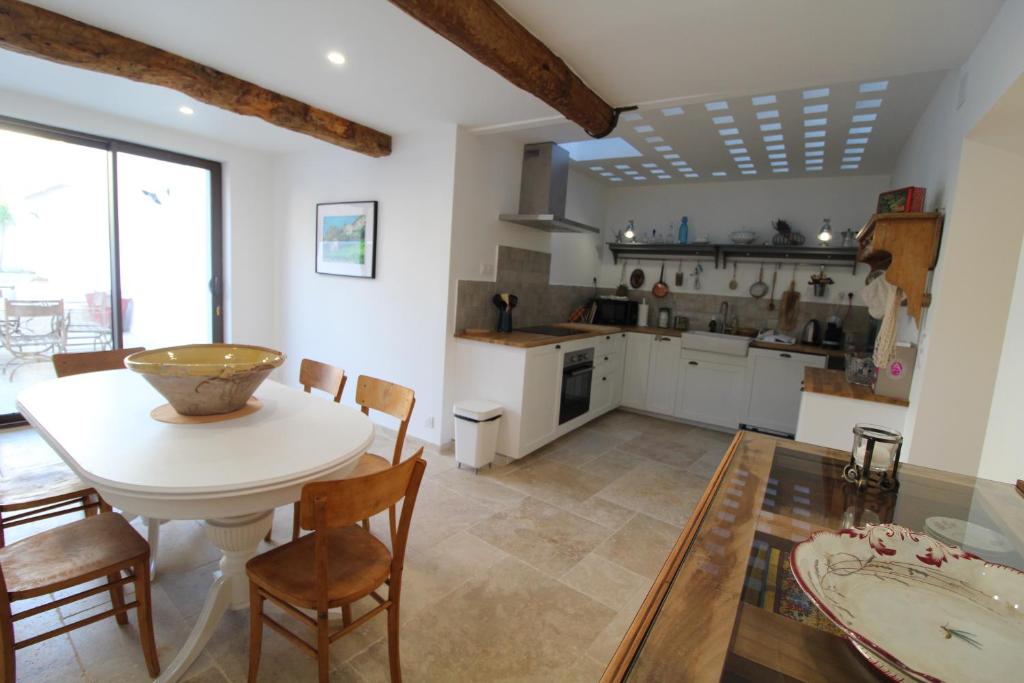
[684, 230]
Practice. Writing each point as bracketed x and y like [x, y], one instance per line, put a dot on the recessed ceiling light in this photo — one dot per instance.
[679, 163]
[780, 170]
[733, 142]
[728, 131]
[749, 172]
[772, 138]
[600, 150]
[631, 173]
[640, 177]
[655, 138]
[649, 165]
[776, 148]
[862, 130]
[868, 104]
[663, 148]
[768, 114]
[597, 168]
[335, 57]
[738, 150]
[849, 167]
[716, 106]
[816, 109]
[814, 143]
[778, 163]
[670, 156]
[664, 177]
[608, 174]
[875, 86]
[777, 155]
[186, 110]
[814, 153]
[813, 168]
[853, 150]
[771, 126]
[672, 111]
[621, 166]
[719, 174]
[643, 129]
[763, 99]
[693, 175]
[741, 158]
[864, 118]
[851, 160]
[856, 141]
[686, 169]
[815, 93]
[809, 123]
[616, 179]
[744, 166]
[722, 120]
[814, 133]
[631, 116]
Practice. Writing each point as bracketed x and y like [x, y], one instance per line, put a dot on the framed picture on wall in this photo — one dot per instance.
[346, 239]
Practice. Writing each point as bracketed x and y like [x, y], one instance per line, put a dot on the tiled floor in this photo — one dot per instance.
[529, 571]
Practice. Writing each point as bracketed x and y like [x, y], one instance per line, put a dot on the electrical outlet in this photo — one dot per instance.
[430, 423]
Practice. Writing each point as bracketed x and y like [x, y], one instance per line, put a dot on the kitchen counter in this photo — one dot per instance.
[833, 383]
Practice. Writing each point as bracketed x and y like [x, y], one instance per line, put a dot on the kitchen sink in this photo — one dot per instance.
[713, 342]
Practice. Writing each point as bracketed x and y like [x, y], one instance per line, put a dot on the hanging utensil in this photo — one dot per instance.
[789, 305]
[660, 288]
[679, 274]
[775, 277]
[636, 278]
[696, 276]
[732, 283]
[759, 288]
[621, 289]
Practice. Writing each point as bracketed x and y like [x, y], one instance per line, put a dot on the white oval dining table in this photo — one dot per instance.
[230, 474]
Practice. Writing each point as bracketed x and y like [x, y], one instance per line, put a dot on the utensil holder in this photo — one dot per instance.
[505, 321]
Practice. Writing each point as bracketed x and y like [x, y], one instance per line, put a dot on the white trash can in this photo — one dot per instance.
[476, 432]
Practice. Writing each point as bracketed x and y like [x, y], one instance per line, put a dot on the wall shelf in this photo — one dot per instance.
[722, 253]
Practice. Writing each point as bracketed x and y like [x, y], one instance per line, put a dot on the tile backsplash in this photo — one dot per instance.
[525, 273]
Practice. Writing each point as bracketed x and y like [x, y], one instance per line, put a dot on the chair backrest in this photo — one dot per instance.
[331, 504]
[65, 364]
[37, 308]
[316, 375]
[392, 399]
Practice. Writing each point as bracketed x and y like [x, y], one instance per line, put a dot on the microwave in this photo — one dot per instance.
[615, 311]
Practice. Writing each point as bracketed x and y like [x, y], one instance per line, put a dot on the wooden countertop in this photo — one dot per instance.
[833, 383]
[798, 348]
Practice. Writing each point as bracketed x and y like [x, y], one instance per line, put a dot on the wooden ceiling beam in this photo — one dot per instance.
[493, 37]
[37, 32]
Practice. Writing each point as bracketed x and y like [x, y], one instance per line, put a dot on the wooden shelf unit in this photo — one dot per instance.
[722, 253]
[906, 245]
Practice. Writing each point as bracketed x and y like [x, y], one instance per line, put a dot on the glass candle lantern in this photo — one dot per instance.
[875, 457]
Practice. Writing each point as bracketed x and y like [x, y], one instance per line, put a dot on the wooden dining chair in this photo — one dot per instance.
[327, 378]
[52, 490]
[99, 546]
[338, 564]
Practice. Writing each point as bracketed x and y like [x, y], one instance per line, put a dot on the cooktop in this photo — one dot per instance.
[549, 330]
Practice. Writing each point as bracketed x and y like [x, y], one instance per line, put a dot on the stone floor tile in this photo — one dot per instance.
[641, 545]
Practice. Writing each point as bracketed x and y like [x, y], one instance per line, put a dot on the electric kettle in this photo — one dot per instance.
[811, 333]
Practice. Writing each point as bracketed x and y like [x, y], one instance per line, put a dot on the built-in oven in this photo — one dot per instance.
[577, 375]
[616, 311]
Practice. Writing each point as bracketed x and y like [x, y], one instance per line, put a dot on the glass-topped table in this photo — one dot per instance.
[726, 607]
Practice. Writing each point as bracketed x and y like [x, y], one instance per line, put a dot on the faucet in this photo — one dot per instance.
[723, 311]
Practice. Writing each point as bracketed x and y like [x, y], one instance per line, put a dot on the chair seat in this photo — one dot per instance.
[369, 464]
[357, 563]
[82, 551]
[39, 486]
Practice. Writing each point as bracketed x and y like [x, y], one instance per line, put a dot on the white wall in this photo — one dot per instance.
[931, 159]
[715, 209]
[250, 266]
[393, 326]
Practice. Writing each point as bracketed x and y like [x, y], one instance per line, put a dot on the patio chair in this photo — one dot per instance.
[32, 332]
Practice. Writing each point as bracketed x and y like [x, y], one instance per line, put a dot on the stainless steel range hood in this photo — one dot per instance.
[542, 193]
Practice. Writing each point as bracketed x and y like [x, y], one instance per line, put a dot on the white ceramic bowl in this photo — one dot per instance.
[743, 236]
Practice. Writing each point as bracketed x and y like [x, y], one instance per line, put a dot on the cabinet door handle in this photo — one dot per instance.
[608, 337]
[558, 346]
[693, 362]
[604, 379]
[606, 357]
[664, 338]
[785, 355]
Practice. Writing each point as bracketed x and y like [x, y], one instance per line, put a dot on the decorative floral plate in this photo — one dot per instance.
[935, 612]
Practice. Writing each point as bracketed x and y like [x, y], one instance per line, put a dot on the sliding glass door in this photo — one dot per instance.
[85, 222]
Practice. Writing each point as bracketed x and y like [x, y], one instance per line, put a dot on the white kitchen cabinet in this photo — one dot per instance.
[711, 388]
[636, 366]
[542, 378]
[619, 380]
[663, 375]
[776, 379]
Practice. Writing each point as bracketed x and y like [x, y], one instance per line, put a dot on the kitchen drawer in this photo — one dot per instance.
[606, 345]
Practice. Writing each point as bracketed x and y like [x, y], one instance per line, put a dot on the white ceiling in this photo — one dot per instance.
[400, 76]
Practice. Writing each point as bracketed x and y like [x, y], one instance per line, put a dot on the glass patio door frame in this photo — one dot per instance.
[113, 147]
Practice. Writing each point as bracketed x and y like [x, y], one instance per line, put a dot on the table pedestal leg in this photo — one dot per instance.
[238, 538]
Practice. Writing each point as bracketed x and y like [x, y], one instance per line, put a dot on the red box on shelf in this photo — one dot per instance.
[903, 200]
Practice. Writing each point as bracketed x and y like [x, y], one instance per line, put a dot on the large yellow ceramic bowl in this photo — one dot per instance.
[206, 379]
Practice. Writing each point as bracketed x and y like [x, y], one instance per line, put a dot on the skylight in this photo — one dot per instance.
[693, 175]
[672, 111]
[598, 150]
[814, 133]
[664, 177]
[814, 143]
[733, 142]
[868, 104]
[814, 153]
[639, 177]
[608, 174]
[815, 93]
[857, 141]
[722, 120]
[780, 170]
[644, 129]
[816, 109]
[655, 138]
[772, 138]
[649, 165]
[768, 114]
[779, 163]
[738, 150]
[670, 156]
[776, 148]
[621, 166]
[771, 126]
[863, 130]
[850, 160]
[875, 86]
[849, 167]
[744, 166]
[631, 173]
[808, 123]
[631, 116]
[719, 174]
[616, 179]
[853, 150]
[663, 148]
[678, 163]
[864, 118]
[716, 106]
[763, 99]
[749, 172]
[728, 131]
[813, 168]
[741, 158]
